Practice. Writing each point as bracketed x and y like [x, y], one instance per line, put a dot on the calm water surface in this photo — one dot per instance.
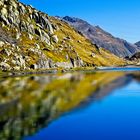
[73, 106]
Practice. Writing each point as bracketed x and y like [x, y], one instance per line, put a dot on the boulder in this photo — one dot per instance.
[18, 35]
[4, 12]
[34, 66]
[55, 39]
[45, 38]
[1, 43]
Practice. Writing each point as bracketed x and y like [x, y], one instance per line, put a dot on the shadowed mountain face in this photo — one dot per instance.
[30, 103]
[102, 38]
[138, 44]
[136, 57]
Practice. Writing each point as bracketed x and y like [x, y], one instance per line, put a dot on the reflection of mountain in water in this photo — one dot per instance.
[29, 103]
[120, 82]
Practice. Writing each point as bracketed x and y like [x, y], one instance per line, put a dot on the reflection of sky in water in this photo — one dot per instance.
[116, 117]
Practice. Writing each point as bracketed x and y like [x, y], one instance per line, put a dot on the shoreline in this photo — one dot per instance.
[60, 71]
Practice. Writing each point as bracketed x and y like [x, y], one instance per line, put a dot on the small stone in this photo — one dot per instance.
[30, 36]
[79, 41]
[93, 55]
[17, 68]
[67, 57]
[55, 27]
[37, 46]
[67, 38]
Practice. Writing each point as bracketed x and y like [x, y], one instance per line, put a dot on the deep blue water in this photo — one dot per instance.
[114, 117]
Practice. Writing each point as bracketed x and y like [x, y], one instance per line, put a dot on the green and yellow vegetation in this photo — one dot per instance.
[31, 39]
[83, 47]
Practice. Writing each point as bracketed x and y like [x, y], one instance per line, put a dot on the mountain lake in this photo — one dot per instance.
[84, 105]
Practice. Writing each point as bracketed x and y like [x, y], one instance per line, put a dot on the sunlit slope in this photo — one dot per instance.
[30, 39]
[84, 49]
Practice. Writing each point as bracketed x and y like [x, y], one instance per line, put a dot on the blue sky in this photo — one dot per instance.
[119, 17]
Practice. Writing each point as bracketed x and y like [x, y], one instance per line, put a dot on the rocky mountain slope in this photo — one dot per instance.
[136, 57]
[102, 38]
[30, 39]
[138, 44]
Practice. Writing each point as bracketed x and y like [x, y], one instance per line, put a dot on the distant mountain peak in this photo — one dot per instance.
[70, 19]
[100, 37]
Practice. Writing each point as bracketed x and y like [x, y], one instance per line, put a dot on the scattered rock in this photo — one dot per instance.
[67, 38]
[34, 66]
[66, 65]
[16, 68]
[1, 43]
[55, 38]
[18, 35]
[79, 41]
[55, 27]
[45, 38]
[93, 55]
[4, 66]
[30, 36]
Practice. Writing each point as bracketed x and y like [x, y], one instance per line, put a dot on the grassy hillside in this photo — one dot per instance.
[87, 52]
[31, 39]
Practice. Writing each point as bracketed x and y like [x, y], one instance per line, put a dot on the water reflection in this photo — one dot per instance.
[29, 103]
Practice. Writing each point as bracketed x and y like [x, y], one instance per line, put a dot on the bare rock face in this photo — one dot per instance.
[102, 38]
[136, 56]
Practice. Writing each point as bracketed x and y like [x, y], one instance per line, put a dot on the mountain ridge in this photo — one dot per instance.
[103, 39]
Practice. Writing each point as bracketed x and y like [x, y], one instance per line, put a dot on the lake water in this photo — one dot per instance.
[101, 105]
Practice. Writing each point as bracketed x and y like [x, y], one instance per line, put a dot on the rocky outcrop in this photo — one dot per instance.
[20, 23]
[135, 59]
[136, 56]
[30, 39]
[102, 38]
